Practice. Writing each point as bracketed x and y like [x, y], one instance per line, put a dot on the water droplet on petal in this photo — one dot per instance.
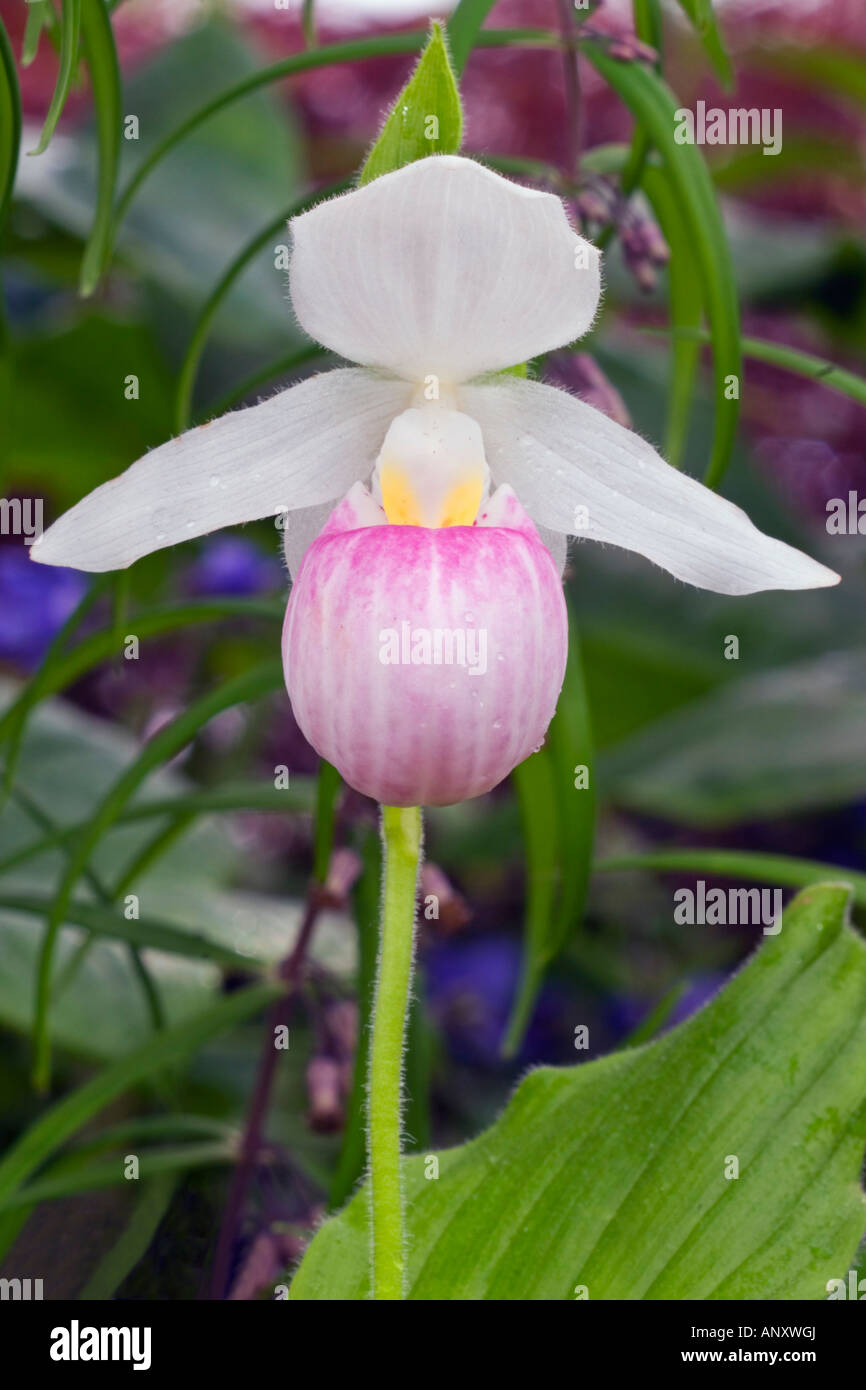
[159, 520]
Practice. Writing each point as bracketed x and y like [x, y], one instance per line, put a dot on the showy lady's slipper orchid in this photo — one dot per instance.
[425, 637]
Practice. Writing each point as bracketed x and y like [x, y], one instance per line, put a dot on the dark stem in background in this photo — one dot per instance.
[278, 1016]
[327, 790]
[568, 30]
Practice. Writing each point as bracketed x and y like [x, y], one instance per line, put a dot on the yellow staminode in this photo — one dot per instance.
[403, 506]
[431, 470]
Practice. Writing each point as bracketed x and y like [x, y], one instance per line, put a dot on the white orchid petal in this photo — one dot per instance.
[302, 528]
[302, 447]
[561, 455]
[442, 269]
[557, 544]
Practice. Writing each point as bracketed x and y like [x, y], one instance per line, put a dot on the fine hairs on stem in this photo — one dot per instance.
[401, 861]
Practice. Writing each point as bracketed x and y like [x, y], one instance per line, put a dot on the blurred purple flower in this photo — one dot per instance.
[234, 566]
[580, 373]
[625, 1012]
[809, 438]
[35, 601]
[470, 988]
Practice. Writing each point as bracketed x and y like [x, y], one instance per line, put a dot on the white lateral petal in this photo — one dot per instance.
[442, 269]
[354, 512]
[304, 446]
[561, 455]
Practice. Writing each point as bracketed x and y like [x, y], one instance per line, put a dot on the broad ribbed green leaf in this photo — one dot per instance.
[425, 119]
[617, 1176]
[768, 745]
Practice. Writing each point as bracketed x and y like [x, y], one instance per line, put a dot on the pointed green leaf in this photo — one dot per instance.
[167, 1049]
[617, 1175]
[572, 749]
[150, 932]
[189, 367]
[808, 365]
[70, 26]
[366, 912]
[10, 142]
[840, 70]
[150, 1207]
[703, 17]
[426, 118]
[65, 1181]
[308, 23]
[248, 685]
[101, 54]
[535, 783]
[653, 104]
[64, 668]
[558, 819]
[39, 16]
[10, 123]
[686, 310]
[355, 51]
[463, 27]
[752, 866]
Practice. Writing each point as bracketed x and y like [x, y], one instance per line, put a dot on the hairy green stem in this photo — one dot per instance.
[401, 845]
